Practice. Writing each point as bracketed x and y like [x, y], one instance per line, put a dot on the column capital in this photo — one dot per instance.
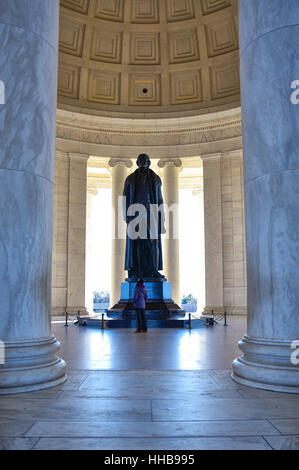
[233, 154]
[113, 162]
[59, 155]
[211, 156]
[170, 162]
[78, 156]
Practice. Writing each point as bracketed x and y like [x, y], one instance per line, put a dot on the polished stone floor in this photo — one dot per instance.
[167, 389]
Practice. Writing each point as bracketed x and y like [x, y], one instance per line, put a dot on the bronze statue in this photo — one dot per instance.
[144, 252]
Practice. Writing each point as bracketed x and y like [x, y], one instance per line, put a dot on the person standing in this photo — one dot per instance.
[139, 302]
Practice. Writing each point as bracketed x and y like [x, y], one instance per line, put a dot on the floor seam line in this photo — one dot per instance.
[267, 442]
[30, 427]
[33, 448]
[269, 420]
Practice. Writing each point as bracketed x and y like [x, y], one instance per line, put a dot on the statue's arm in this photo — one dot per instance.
[160, 197]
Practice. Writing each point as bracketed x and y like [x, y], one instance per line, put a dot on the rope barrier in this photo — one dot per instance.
[208, 321]
[216, 318]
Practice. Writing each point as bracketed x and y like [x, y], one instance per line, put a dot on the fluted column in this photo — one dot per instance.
[269, 62]
[213, 233]
[171, 252]
[119, 172]
[28, 56]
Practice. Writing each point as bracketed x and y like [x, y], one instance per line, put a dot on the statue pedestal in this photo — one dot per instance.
[155, 290]
[161, 310]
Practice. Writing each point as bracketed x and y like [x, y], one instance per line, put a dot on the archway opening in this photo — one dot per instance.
[192, 262]
[99, 228]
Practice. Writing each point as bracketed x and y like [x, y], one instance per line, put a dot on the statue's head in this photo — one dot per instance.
[143, 161]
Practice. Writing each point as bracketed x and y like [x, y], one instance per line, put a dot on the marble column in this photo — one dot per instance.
[269, 54]
[171, 248]
[28, 67]
[119, 172]
[213, 233]
[76, 270]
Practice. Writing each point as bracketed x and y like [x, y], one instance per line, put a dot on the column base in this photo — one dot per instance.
[58, 312]
[216, 310]
[266, 364]
[31, 365]
[73, 311]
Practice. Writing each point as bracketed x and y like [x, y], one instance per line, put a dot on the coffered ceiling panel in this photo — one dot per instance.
[225, 80]
[179, 10]
[221, 37]
[145, 11]
[68, 80]
[71, 36]
[183, 46]
[186, 87]
[106, 46]
[145, 48]
[111, 10]
[103, 87]
[211, 6]
[148, 57]
[76, 5]
[145, 90]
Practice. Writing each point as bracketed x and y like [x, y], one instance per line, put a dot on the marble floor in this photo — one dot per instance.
[167, 389]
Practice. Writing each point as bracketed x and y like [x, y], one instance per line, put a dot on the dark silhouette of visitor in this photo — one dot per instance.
[139, 300]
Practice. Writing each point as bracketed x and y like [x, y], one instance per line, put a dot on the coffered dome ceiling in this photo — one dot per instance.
[148, 58]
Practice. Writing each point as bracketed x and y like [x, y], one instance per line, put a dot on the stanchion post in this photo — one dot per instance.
[190, 327]
[102, 324]
[66, 319]
[225, 323]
